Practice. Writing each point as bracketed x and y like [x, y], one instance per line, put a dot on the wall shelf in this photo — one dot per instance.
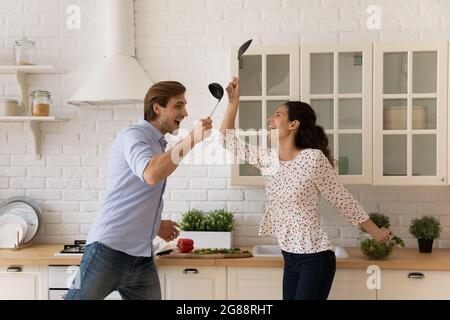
[22, 71]
[33, 124]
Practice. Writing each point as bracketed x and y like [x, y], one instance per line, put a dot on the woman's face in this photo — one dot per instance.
[280, 121]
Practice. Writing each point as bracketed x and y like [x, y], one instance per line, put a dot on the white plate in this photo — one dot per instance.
[9, 217]
[20, 208]
[8, 234]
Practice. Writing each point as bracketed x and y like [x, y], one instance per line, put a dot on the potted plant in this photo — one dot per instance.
[425, 229]
[374, 249]
[213, 229]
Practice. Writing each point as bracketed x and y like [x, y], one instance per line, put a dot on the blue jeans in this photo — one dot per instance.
[308, 276]
[104, 270]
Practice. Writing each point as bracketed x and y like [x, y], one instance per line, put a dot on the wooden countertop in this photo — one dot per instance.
[401, 259]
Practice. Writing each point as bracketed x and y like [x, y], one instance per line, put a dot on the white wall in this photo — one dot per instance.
[188, 41]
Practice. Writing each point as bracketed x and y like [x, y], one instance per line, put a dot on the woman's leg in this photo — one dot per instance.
[316, 273]
[329, 262]
[290, 276]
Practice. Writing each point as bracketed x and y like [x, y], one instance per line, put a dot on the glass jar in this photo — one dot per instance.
[24, 52]
[40, 103]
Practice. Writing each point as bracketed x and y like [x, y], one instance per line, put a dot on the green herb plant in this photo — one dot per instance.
[425, 227]
[374, 249]
[216, 220]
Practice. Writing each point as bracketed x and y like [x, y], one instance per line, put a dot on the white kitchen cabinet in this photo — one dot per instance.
[337, 83]
[269, 77]
[267, 283]
[193, 282]
[414, 285]
[22, 283]
[410, 113]
[351, 284]
[254, 283]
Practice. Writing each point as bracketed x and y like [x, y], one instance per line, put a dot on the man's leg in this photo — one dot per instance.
[100, 273]
[143, 283]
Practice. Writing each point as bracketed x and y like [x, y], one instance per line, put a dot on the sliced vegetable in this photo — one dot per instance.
[222, 250]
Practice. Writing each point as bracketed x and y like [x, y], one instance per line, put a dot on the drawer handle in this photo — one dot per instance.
[190, 270]
[14, 269]
[416, 275]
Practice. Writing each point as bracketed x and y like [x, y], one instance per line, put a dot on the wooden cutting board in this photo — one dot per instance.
[191, 255]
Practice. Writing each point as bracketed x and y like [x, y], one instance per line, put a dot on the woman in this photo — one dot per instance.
[303, 168]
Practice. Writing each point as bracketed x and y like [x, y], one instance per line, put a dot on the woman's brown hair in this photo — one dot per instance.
[309, 135]
[160, 93]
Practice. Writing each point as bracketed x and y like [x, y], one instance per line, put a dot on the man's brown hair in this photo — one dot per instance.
[160, 93]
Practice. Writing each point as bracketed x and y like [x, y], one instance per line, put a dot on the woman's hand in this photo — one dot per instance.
[379, 234]
[383, 234]
[234, 90]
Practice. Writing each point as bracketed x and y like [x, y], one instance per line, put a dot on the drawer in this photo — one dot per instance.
[414, 284]
[11, 268]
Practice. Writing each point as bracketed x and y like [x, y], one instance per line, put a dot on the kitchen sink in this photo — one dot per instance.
[268, 251]
[274, 251]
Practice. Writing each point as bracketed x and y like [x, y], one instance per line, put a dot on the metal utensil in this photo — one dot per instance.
[242, 50]
[217, 92]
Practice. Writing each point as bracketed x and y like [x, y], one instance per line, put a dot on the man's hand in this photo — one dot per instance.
[168, 231]
[202, 130]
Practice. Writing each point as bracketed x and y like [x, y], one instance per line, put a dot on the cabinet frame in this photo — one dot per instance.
[441, 113]
[294, 77]
[365, 95]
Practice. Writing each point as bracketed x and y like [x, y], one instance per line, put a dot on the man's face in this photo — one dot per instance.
[171, 116]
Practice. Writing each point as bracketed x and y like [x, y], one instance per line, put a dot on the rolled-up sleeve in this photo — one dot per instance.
[138, 150]
[337, 195]
[252, 154]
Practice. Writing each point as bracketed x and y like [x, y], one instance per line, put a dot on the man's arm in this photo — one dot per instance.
[161, 166]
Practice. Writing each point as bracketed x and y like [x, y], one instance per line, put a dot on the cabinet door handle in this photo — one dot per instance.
[14, 269]
[416, 275]
[190, 270]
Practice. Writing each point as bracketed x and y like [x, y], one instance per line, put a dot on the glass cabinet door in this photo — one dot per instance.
[409, 137]
[269, 78]
[336, 82]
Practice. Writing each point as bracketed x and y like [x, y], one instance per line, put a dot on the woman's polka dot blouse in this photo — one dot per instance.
[292, 191]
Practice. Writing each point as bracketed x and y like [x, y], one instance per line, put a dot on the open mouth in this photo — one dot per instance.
[177, 122]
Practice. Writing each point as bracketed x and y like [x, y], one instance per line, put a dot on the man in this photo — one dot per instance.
[119, 249]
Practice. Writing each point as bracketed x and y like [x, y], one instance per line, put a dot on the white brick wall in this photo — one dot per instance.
[187, 41]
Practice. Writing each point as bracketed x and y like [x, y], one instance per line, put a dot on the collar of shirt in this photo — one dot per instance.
[154, 132]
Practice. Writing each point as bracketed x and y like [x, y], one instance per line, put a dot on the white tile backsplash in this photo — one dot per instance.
[186, 41]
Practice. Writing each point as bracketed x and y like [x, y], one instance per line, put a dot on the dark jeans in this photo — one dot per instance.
[308, 276]
[104, 270]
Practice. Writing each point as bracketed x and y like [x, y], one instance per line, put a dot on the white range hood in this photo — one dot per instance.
[118, 78]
